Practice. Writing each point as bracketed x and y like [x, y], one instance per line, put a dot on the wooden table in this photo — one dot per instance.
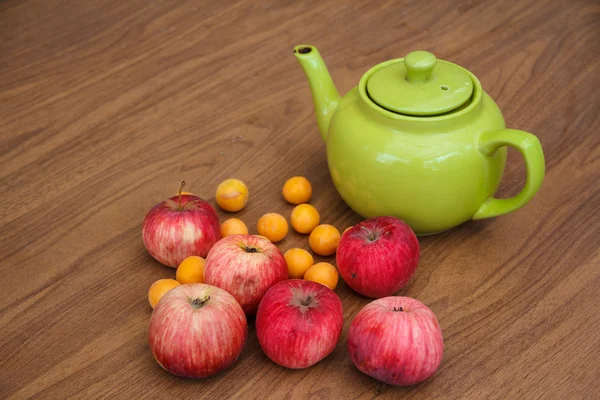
[106, 106]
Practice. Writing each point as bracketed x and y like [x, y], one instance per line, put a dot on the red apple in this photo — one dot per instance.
[377, 257]
[299, 323]
[246, 266]
[396, 340]
[197, 330]
[179, 227]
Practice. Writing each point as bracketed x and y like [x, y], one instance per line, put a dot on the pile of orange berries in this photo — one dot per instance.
[232, 196]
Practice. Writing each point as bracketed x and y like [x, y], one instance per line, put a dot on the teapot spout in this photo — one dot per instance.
[325, 95]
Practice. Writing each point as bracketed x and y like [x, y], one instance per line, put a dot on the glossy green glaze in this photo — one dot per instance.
[427, 87]
[434, 172]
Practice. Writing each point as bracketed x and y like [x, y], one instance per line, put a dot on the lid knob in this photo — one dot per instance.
[419, 66]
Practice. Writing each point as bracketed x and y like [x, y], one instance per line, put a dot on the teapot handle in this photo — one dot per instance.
[530, 148]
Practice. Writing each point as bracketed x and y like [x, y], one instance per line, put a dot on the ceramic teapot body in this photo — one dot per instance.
[434, 172]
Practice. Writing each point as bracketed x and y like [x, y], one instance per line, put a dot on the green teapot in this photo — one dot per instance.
[420, 140]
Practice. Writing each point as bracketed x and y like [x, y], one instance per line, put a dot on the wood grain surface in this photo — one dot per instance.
[105, 106]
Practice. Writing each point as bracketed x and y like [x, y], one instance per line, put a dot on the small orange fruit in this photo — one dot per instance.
[233, 226]
[305, 218]
[298, 262]
[261, 236]
[191, 270]
[159, 289]
[323, 273]
[232, 195]
[324, 239]
[272, 226]
[297, 190]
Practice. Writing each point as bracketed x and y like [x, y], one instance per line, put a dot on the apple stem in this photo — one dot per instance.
[180, 190]
[306, 302]
[251, 249]
[199, 303]
[398, 309]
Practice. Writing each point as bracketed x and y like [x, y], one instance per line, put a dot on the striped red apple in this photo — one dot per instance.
[245, 266]
[396, 340]
[299, 323]
[197, 330]
[179, 227]
[377, 257]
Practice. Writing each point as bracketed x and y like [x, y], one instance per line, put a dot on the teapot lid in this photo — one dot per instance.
[420, 85]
